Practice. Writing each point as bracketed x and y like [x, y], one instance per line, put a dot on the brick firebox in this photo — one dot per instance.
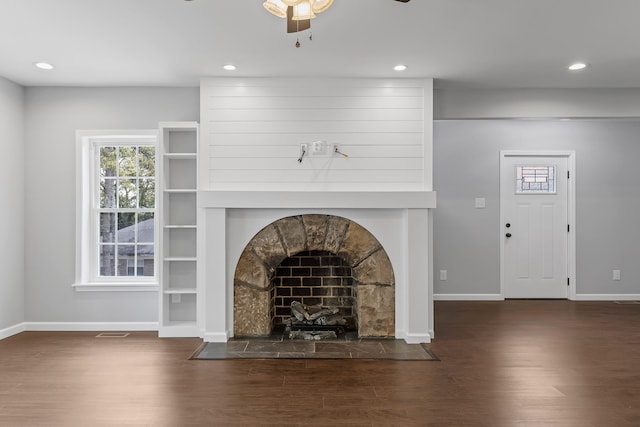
[372, 272]
[314, 278]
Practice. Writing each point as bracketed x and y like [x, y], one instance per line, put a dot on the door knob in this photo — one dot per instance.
[508, 225]
[508, 234]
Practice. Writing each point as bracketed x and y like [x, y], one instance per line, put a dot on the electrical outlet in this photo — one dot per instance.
[616, 275]
[318, 148]
[443, 275]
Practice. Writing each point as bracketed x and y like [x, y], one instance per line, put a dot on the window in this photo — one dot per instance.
[116, 210]
[535, 179]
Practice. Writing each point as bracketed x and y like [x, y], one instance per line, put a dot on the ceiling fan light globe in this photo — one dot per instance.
[292, 2]
[276, 7]
[303, 11]
[321, 5]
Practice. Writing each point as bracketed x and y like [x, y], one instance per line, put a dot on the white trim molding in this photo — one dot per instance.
[91, 326]
[468, 297]
[12, 330]
[607, 297]
[87, 277]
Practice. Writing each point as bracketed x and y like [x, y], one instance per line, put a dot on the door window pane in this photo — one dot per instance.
[535, 179]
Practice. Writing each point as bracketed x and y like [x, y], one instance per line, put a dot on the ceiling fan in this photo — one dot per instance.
[299, 12]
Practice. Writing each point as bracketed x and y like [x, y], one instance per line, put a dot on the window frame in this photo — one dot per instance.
[88, 144]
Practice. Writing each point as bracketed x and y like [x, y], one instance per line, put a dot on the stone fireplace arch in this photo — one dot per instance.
[372, 271]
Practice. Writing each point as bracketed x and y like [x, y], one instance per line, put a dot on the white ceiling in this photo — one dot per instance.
[460, 43]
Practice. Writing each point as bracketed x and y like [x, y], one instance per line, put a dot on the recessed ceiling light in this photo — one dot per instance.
[229, 67]
[577, 66]
[400, 67]
[43, 65]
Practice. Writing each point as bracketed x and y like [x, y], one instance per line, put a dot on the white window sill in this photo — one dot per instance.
[116, 287]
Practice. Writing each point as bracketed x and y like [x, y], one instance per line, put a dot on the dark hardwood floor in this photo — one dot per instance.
[511, 363]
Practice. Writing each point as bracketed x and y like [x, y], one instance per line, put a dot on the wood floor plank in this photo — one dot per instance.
[511, 363]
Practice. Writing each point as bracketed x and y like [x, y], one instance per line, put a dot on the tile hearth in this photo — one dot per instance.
[348, 346]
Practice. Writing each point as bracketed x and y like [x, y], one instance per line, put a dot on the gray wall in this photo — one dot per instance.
[52, 117]
[12, 212]
[466, 166]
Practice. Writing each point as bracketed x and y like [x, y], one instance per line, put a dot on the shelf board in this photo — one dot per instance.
[183, 226]
[181, 259]
[180, 190]
[181, 156]
[181, 291]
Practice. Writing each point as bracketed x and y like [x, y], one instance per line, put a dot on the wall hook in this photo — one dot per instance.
[337, 150]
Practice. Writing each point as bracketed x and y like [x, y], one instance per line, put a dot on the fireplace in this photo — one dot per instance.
[373, 288]
[391, 260]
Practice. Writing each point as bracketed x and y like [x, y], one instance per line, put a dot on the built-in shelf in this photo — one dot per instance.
[183, 291]
[180, 156]
[179, 223]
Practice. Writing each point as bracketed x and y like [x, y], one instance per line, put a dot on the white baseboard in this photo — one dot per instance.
[414, 338]
[607, 297]
[12, 330]
[468, 297]
[91, 326]
[216, 337]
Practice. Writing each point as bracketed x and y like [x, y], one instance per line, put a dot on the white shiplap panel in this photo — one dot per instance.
[327, 127]
[306, 186]
[285, 151]
[327, 114]
[287, 164]
[351, 139]
[330, 89]
[314, 176]
[300, 103]
[252, 130]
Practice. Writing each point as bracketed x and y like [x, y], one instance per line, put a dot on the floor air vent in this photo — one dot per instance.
[113, 335]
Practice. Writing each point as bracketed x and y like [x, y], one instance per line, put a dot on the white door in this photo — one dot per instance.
[535, 226]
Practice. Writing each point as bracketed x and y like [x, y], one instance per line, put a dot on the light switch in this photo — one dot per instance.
[481, 203]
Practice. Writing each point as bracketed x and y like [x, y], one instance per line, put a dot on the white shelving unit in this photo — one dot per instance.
[179, 313]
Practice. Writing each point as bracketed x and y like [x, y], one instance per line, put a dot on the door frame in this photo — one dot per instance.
[571, 212]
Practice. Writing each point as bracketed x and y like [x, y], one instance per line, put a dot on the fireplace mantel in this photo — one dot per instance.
[317, 199]
[400, 220]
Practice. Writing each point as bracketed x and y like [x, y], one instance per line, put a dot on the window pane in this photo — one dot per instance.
[108, 161]
[126, 227]
[146, 260]
[127, 190]
[145, 251]
[147, 191]
[127, 193]
[107, 228]
[147, 161]
[107, 260]
[127, 161]
[535, 179]
[126, 257]
[145, 228]
[107, 193]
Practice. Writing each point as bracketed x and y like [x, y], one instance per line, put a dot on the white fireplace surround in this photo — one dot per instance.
[401, 221]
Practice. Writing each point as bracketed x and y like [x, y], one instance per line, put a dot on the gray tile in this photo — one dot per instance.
[354, 348]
